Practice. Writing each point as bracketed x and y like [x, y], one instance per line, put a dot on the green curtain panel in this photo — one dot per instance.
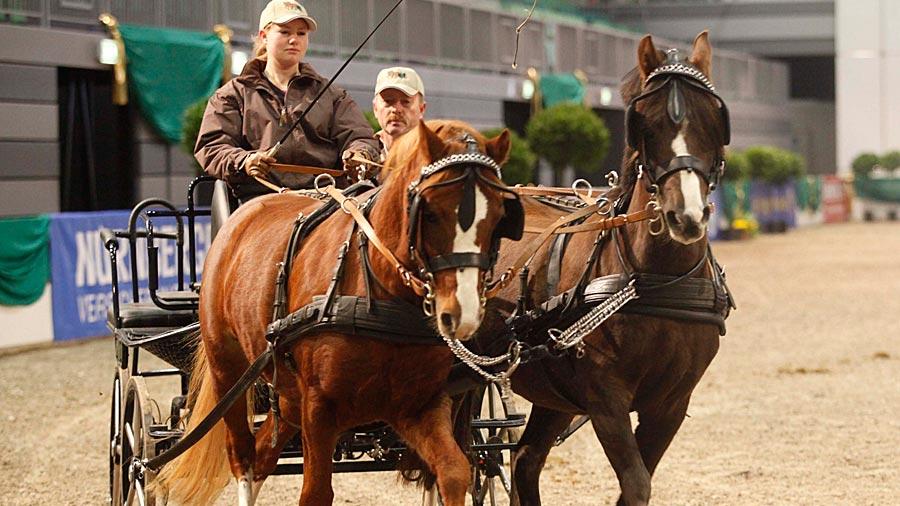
[24, 259]
[556, 88]
[169, 70]
[884, 190]
[809, 192]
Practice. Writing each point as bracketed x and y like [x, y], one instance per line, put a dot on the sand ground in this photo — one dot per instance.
[801, 405]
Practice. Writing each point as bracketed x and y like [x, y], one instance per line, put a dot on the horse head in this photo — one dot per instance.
[457, 210]
[677, 127]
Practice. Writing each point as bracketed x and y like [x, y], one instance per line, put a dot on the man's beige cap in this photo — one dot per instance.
[284, 11]
[404, 79]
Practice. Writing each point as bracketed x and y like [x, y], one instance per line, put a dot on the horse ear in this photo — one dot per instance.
[434, 144]
[648, 57]
[701, 54]
[498, 147]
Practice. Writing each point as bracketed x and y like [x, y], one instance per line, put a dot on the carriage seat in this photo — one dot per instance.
[149, 315]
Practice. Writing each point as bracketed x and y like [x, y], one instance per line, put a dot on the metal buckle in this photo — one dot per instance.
[317, 183]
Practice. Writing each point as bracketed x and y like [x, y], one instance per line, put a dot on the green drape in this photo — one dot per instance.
[809, 192]
[882, 189]
[170, 70]
[556, 88]
[24, 259]
[735, 198]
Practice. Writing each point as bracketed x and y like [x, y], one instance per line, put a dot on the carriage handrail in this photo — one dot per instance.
[132, 235]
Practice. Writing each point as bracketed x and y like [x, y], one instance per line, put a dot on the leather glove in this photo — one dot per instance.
[258, 163]
[353, 164]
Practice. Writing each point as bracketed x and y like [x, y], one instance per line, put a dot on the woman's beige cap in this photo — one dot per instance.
[285, 11]
[404, 79]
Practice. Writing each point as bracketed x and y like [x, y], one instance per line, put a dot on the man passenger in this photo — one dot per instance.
[399, 104]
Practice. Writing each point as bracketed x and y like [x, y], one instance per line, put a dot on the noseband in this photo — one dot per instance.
[672, 76]
[472, 163]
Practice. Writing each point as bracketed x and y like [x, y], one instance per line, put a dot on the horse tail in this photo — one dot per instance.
[199, 474]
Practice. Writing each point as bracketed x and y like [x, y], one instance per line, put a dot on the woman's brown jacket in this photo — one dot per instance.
[249, 113]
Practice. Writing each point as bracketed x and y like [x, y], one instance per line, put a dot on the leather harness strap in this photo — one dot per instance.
[558, 227]
[350, 206]
[604, 224]
[306, 169]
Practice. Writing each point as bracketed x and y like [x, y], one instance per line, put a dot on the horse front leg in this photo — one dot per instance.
[656, 429]
[430, 434]
[319, 436]
[612, 424]
[544, 425]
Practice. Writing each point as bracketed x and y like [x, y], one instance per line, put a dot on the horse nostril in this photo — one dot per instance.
[673, 217]
[447, 321]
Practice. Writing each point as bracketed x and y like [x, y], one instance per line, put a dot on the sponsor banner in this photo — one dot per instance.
[81, 271]
[835, 200]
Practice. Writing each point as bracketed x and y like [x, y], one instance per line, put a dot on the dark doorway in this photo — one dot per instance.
[516, 116]
[96, 144]
[614, 119]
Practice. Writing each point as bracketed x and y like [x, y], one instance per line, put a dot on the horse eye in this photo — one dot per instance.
[429, 217]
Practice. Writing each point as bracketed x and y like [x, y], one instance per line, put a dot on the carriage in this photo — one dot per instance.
[677, 321]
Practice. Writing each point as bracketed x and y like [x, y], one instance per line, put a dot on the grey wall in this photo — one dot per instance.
[462, 49]
[29, 140]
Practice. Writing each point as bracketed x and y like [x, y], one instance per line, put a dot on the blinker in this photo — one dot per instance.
[466, 212]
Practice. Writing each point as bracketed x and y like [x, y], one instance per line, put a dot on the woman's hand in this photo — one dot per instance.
[258, 163]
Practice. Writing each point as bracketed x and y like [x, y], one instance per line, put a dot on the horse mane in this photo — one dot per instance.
[407, 148]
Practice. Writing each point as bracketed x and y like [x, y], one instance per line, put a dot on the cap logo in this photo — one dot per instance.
[291, 6]
[397, 75]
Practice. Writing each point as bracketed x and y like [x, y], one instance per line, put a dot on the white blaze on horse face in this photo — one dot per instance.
[690, 182]
[467, 294]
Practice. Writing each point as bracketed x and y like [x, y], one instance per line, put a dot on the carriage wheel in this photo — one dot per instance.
[490, 467]
[115, 440]
[136, 445]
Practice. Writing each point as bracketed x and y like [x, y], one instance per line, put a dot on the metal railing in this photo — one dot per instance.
[440, 33]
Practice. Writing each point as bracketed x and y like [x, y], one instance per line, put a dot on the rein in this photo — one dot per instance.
[559, 227]
[350, 206]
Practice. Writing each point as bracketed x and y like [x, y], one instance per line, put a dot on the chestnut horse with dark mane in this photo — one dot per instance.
[330, 382]
[633, 362]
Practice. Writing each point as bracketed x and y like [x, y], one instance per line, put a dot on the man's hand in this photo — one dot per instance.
[258, 163]
[355, 162]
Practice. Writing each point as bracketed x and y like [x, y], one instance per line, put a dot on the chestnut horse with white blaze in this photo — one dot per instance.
[343, 381]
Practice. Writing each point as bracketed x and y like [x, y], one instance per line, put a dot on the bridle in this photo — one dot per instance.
[672, 76]
[472, 164]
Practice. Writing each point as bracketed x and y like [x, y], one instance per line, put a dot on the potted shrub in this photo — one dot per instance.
[863, 164]
[519, 169]
[568, 134]
[772, 194]
[734, 221]
[190, 130]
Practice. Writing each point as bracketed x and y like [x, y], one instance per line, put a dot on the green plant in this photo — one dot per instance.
[773, 165]
[864, 163]
[736, 166]
[520, 166]
[568, 134]
[373, 121]
[890, 160]
[190, 129]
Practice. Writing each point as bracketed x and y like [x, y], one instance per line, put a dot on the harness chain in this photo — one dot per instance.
[575, 334]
